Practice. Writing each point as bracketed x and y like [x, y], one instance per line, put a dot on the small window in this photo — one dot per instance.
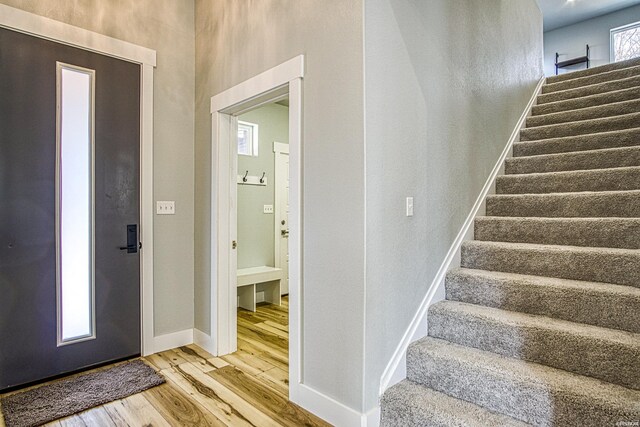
[625, 42]
[247, 139]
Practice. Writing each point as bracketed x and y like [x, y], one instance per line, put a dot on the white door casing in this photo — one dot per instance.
[272, 85]
[281, 214]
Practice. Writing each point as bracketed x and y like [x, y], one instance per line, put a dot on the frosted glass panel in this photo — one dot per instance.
[75, 204]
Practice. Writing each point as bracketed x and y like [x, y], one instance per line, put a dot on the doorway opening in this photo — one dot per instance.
[262, 243]
[283, 82]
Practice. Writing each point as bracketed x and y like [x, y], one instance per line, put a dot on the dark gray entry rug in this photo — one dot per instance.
[67, 397]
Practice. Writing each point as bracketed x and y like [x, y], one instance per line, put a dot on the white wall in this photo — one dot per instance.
[255, 228]
[238, 39]
[168, 27]
[446, 81]
[570, 41]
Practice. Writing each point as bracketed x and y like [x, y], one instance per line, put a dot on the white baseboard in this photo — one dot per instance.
[371, 418]
[172, 340]
[327, 408]
[396, 368]
[204, 340]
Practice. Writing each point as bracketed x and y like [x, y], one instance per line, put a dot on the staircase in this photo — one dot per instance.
[541, 324]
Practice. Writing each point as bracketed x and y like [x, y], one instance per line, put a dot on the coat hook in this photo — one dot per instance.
[244, 178]
[262, 178]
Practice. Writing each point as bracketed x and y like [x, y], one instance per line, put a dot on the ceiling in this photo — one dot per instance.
[559, 13]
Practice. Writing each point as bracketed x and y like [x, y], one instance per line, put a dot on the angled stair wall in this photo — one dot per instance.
[541, 323]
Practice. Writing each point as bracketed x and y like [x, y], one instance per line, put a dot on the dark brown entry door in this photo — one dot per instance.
[69, 201]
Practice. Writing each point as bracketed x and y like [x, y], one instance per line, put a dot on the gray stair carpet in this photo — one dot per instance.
[541, 323]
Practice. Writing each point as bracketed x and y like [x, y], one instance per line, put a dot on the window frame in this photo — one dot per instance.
[616, 30]
[255, 141]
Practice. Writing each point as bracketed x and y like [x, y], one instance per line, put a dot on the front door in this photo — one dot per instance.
[69, 209]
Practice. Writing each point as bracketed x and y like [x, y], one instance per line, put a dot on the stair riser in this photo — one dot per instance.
[592, 71]
[575, 304]
[598, 159]
[562, 130]
[599, 112]
[622, 268]
[589, 90]
[591, 80]
[602, 232]
[619, 179]
[586, 102]
[526, 401]
[607, 360]
[585, 205]
[628, 138]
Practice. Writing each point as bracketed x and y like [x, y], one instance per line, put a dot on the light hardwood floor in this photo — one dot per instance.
[246, 388]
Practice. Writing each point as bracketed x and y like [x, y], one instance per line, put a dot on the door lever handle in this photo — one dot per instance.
[284, 233]
[132, 247]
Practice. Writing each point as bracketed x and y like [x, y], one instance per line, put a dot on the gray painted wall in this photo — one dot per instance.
[236, 40]
[570, 41]
[168, 27]
[446, 81]
[255, 228]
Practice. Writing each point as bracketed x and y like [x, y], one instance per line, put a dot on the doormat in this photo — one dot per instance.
[67, 397]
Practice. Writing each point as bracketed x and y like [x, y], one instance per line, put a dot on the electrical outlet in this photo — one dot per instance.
[166, 207]
[409, 206]
[268, 209]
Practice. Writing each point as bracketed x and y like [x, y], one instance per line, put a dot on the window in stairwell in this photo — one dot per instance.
[625, 42]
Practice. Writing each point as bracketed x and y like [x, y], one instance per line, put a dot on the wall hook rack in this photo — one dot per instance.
[247, 179]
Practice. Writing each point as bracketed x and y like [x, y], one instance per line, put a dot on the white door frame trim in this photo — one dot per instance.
[265, 87]
[60, 32]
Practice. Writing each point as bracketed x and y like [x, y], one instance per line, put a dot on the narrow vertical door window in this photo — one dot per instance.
[74, 203]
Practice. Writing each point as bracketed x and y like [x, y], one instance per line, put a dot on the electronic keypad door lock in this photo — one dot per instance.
[132, 240]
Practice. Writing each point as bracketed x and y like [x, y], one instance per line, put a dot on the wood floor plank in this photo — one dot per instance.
[97, 417]
[205, 396]
[251, 413]
[135, 411]
[178, 409]
[276, 358]
[247, 362]
[284, 328]
[277, 379]
[264, 398]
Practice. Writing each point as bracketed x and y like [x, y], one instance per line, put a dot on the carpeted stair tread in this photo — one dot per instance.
[608, 265]
[594, 89]
[409, 404]
[603, 77]
[622, 233]
[612, 139]
[527, 391]
[607, 354]
[592, 303]
[624, 204]
[577, 160]
[588, 113]
[582, 127]
[613, 179]
[587, 101]
[594, 70]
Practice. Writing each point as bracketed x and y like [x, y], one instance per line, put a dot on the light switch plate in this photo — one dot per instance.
[268, 209]
[165, 207]
[409, 206]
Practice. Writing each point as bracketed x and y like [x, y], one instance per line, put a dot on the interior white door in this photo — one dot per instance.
[282, 212]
